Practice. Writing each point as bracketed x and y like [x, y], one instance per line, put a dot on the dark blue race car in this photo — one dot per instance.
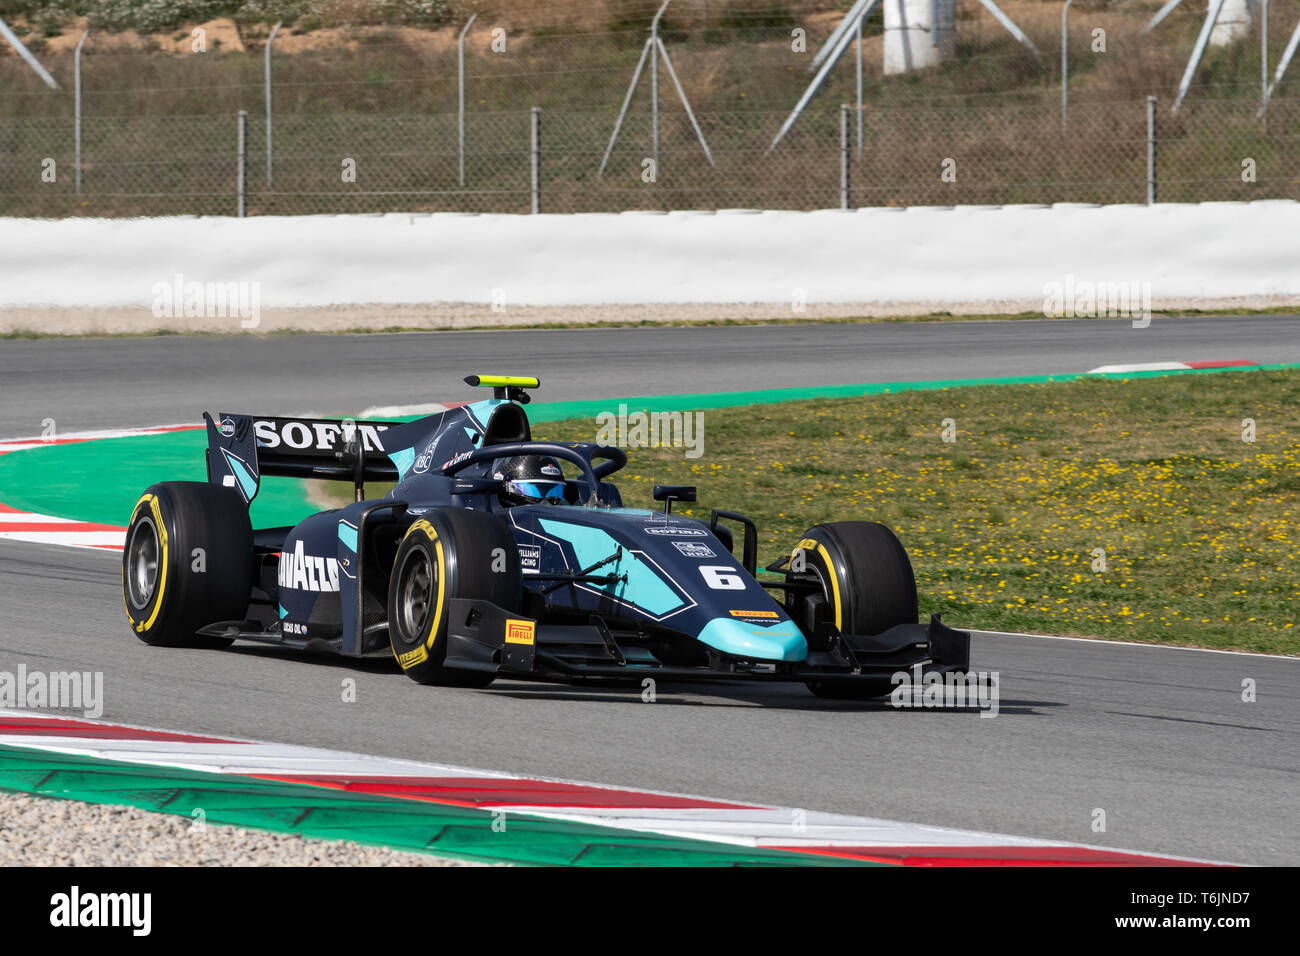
[495, 554]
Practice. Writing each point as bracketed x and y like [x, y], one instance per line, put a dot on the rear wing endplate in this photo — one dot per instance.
[244, 448]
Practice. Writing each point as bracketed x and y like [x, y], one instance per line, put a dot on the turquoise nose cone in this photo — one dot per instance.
[782, 641]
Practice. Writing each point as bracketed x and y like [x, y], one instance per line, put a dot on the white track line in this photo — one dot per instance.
[1140, 367]
[39, 441]
[399, 411]
[1119, 643]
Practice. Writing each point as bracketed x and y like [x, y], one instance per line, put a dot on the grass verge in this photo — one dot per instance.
[1198, 526]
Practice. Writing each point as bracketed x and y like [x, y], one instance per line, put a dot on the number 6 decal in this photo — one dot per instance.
[722, 578]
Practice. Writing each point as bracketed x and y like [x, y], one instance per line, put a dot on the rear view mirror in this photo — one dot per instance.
[670, 493]
[674, 492]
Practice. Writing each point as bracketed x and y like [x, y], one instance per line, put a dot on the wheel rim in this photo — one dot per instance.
[419, 578]
[142, 563]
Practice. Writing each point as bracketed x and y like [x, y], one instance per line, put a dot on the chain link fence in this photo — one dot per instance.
[378, 130]
[176, 165]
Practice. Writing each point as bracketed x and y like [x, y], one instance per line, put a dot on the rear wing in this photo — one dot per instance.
[244, 448]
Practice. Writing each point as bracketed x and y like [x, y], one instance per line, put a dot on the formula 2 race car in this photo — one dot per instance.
[487, 559]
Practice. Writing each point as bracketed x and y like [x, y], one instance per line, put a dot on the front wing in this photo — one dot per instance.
[485, 637]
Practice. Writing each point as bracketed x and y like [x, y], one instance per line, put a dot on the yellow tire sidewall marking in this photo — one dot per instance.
[142, 626]
[421, 653]
[412, 657]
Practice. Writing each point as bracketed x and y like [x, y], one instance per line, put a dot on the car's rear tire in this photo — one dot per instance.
[187, 562]
[867, 587]
[447, 553]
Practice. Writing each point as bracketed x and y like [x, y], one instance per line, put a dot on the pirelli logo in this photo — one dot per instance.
[411, 658]
[520, 632]
[768, 614]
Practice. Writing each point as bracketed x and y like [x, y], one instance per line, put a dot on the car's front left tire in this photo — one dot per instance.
[447, 553]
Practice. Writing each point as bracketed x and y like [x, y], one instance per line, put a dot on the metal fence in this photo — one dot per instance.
[170, 165]
[987, 130]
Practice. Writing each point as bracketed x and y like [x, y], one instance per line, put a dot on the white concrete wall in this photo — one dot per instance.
[921, 254]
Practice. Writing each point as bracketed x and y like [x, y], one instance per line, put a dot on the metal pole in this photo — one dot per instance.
[844, 156]
[1283, 63]
[1151, 150]
[654, 85]
[26, 54]
[1009, 25]
[1216, 7]
[1263, 62]
[837, 35]
[1163, 12]
[648, 50]
[1065, 64]
[269, 40]
[860, 81]
[690, 113]
[537, 160]
[830, 55]
[76, 80]
[622, 113]
[460, 72]
[241, 169]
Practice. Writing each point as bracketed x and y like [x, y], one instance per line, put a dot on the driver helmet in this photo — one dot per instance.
[530, 479]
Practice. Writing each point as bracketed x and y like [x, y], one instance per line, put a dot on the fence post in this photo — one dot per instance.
[537, 159]
[654, 88]
[460, 86]
[76, 80]
[241, 169]
[859, 66]
[269, 40]
[1151, 150]
[1263, 63]
[1065, 65]
[844, 155]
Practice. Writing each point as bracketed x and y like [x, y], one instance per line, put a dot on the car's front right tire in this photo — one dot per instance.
[865, 585]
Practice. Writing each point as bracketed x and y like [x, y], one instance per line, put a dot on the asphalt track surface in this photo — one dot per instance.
[118, 382]
[1157, 738]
